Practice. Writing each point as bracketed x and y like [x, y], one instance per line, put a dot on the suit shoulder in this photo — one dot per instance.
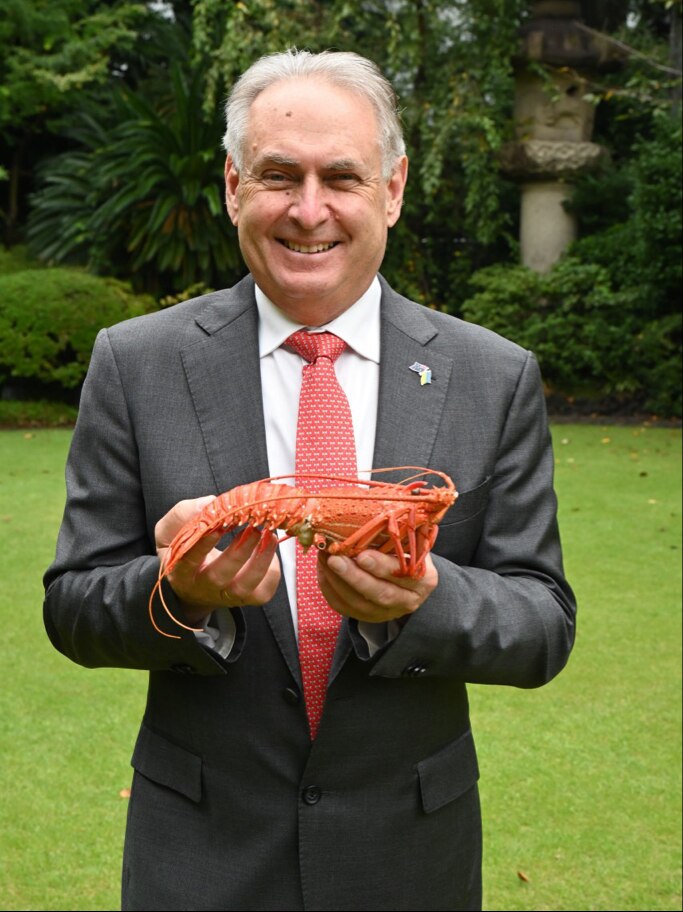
[181, 323]
[475, 335]
[451, 333]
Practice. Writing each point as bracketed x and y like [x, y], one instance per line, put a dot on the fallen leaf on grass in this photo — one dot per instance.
[124, 793]
[523, 876]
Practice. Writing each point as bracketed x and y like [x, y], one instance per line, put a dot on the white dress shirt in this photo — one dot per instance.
[357, 370]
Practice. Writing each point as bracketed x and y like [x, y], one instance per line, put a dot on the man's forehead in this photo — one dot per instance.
[293, 97]
[294, 123]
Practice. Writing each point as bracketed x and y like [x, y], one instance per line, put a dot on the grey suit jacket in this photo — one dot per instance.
[232, 807]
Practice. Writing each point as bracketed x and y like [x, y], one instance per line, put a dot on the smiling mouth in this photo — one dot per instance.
[308, 248]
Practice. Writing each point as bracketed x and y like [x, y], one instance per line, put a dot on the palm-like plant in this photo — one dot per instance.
[141, 199]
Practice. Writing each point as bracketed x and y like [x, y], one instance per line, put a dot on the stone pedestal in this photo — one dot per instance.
[544, 169]
[546, 228]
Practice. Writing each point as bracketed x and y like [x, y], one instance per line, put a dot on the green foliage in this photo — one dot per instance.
[137, 190]
[633, 213]
[36, 413]
[16, 259]
[640, 253]
[58, 57]
[656, 364]
[53, 49]
[142, 197]
[49, 319]
[192, 291]
[585, 332]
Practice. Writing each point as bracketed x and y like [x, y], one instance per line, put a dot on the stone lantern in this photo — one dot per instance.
[557, 59]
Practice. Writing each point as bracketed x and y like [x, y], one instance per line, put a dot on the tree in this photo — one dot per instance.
[51, 52]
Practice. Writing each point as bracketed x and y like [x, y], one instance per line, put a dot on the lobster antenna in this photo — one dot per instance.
[420, 471]
[157, 588]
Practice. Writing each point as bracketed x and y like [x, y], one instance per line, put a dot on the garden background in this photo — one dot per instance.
[111, 205]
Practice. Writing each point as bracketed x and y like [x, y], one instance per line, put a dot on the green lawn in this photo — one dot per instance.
[581, 781]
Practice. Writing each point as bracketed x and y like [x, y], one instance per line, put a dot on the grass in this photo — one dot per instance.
[65, 733]
[581, 781]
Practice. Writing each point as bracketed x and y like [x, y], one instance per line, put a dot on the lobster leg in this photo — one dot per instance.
[396, 525]
[409, 542]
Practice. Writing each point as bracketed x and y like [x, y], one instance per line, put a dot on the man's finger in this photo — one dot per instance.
[172, 522]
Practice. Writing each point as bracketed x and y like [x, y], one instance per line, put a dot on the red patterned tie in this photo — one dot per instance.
[324, 444]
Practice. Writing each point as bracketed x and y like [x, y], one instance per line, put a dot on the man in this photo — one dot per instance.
[238, 802]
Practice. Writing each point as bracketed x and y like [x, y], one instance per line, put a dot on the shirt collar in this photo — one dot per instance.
[358, 326]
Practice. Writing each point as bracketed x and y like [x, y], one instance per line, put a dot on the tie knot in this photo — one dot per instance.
[314, 345]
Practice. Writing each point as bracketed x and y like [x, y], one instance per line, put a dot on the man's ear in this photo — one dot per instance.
[395, 188]
[232, 179]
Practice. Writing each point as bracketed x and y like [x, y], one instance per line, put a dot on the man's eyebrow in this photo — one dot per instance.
[343, 164]
[277, 158]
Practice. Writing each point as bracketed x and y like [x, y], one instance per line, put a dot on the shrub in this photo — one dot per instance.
[587, 335]
[658, 364]
[38, 413]
[632, 221]
[49, 319]
[16, 259]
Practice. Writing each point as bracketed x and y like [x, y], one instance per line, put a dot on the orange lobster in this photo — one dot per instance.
[398, 518]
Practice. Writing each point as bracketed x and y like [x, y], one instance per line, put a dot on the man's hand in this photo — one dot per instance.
[365, 587]
[246, 573]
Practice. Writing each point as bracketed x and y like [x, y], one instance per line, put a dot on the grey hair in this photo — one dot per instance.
[343, 69]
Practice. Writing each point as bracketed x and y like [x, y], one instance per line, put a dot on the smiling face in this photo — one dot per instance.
[310, 204]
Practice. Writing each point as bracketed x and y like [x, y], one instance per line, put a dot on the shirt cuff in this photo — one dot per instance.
[218, 633]
[378, 635]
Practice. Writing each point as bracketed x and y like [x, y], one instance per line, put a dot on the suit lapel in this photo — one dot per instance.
[224, 378]
[408, 413]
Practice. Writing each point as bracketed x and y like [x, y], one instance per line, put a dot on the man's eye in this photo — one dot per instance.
[342, 178]
[276, 177]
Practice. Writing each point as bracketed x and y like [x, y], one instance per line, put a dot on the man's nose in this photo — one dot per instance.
[310, 207]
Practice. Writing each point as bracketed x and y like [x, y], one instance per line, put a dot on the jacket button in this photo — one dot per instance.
[414, 670]
[291, 696]
[312, 794]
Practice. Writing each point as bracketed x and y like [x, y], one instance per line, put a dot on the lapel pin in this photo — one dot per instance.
[424, 372]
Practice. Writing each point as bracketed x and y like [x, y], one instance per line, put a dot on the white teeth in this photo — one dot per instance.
[302, 248]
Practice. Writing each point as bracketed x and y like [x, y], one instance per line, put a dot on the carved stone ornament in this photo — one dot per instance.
[541, 159]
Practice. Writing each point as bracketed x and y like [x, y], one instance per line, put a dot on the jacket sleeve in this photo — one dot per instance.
[98, 587]
[508, 617]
